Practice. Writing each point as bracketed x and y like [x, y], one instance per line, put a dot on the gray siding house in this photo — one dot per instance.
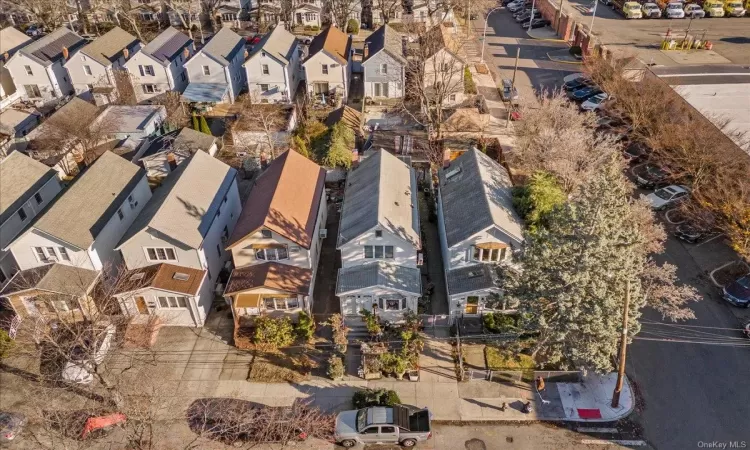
[479, 230]
[384, 64]
[215, 73]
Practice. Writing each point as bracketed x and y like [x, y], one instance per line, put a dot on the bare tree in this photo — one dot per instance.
[386, 9]
[185, 11]
[268, 120]
[50, 14]
[341, 10]
[177, 116]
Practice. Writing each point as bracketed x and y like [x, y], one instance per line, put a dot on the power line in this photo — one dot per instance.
[651, 322]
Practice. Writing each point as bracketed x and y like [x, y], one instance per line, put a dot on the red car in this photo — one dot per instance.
[252, 40]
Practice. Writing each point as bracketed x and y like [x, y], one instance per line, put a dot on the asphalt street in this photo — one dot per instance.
[690, 394]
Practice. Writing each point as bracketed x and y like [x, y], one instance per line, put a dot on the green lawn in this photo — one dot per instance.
[499, 359]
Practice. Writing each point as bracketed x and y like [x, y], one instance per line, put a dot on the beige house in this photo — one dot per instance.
[327, 67]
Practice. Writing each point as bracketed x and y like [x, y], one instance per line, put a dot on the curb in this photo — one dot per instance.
[577, 63]
[545, 39]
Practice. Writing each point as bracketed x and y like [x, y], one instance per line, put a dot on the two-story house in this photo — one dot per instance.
[93, 70]
[423, 12]
[83, 225]
[306, 12]
[479, 229]
[274, 67]
[327, 69]
[441, 65]
[384, 64]
[10, 41]
[215, 72]
[26, 188]
[379, 240]
[38, 69]
[183, 228]
[276, 243]
[158, 67]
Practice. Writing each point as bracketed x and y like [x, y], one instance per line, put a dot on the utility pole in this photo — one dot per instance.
[460, 351]
[593, 16]
[559, 17]
[513, 86]
[623, 348]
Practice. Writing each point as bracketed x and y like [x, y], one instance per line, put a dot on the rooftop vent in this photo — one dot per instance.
[180, 276]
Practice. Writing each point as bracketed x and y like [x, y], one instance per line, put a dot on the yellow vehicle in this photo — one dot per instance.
[714, 8]
[733, 8]
[632, 10]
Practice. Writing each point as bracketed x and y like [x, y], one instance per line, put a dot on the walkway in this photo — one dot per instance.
[433, 259]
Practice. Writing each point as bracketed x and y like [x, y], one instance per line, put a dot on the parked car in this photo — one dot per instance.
[651, 176]
[11, 425]
[400, 424]
[306, 40]
[253, 39]
[692, 234]
[606, 2]
[509, 92]
[34, 30]
[746, 329]
[536, 23]
[674, 11]
[83, 360]
[574, 76]
[526, 15]
[632, 10]
[667, 196]
[738, 291]
[694, 10]
[635, 152]
[578, 83]
[515, 7]
[651, 11]
[585, 93]
[713, 8]
[596, 102]
[733, 8]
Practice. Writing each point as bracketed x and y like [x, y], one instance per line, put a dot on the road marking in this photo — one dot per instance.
[597, 430]
[710, 239]
[702, 74]
[614, 442]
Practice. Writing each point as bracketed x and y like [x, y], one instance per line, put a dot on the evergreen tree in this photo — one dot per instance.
[196, 124]
[341, 144]
[537, 199]
[204, 126]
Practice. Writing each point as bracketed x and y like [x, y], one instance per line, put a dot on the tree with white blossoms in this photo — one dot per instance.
[577, 267]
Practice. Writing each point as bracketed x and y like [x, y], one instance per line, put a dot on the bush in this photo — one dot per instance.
[341, 144]
[6, 344]
[469, 86]
[300, 147]
[576, 50]
[371, 322]
[335, 368]
[340, 332]
[273, 332]
[500, 323]
[305, 327]
[375, 397]
[352, 26]
[537, 199]
[315, 28]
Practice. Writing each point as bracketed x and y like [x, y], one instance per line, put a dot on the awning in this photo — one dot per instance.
[247, 301]
[205, 92]
[491, 245]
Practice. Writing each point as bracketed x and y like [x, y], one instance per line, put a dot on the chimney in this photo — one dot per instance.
[125, 53]
[65, 52]
[365, 51]
[6, 55]
[186, 53]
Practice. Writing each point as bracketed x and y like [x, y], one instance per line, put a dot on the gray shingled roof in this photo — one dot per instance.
[20, 178]
[224, 46]
[386, 38]
[279, 43]
[167, 45]
[476, 277]
[379, 274]
[56, 278]
[186, 203]
[79, 213]
[476, 196]
[48, 49]
[380, 192]
[107, 48]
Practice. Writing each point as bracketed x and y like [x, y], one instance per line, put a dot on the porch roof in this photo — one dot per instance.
[272, 275]
[472, 278]
[379, 274]
[205, 92]
[247, 300]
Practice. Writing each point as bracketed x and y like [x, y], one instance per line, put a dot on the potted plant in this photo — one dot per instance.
[335, 368]
[413, 374]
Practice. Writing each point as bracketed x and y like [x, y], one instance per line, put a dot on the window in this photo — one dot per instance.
[149, 88]
[384, 69]
[38, 198]
[280, 304]
[32, 90]
[218, 250]
[324, 68]
[387, 429]
[378, 233]
[206, 70]
[371, 430]
[22, 214]
[264, 69]
[87, 70]
[379, 251]
[64, 253]
[263, 88]
[172, 302]
[47, 254]
[149, 70]
[266, 234]
[133, 203]
[183, 76]
[161, 254]
[489, 255]
[453, 97]
[120, 214]
[272, 253]
[28, 70]
[444, 67]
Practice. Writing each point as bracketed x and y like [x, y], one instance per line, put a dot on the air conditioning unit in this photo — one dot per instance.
[323, 233]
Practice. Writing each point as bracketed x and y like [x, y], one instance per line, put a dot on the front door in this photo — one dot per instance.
[472, 305]
[140, 303]
[299, 19]
[377, 89]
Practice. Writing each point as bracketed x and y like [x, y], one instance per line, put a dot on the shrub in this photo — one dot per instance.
[305, 327]
[6, 344]
[315, 28]
[576, 50]
[371, 322]
[537, 199]
[300, 147]
[469, 86]
[340, 332]
[340, 147]
[275, 332]
[396, 363]
[375, 397]
[352, 26]
[204, 126]
[335, 367]
[500, 323]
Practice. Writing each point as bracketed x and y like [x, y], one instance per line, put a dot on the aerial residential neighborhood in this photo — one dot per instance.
[373, 224]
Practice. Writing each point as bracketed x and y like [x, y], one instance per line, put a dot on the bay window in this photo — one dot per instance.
[378, 252]
[272, 253]
[484, 254]
[281, 303]
[172, 302]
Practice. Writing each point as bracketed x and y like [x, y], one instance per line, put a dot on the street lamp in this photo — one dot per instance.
[531, 18]
[484, 35]
[593, 16]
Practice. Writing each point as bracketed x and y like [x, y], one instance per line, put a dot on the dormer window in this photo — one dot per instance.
[491, 252]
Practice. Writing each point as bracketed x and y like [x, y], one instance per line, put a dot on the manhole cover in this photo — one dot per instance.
[475, 444]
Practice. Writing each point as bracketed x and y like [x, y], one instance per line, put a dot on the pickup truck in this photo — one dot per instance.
[399, 424]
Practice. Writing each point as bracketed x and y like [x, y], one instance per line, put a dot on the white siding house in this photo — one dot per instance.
[158, 67]
[327, 69]
[84, 224]
[273, 68]
[38, 68]
[11, 40]
[443, 67]
[379, 240]
[187, 223]
[215, 72]
[26, 188]
[479, 230]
